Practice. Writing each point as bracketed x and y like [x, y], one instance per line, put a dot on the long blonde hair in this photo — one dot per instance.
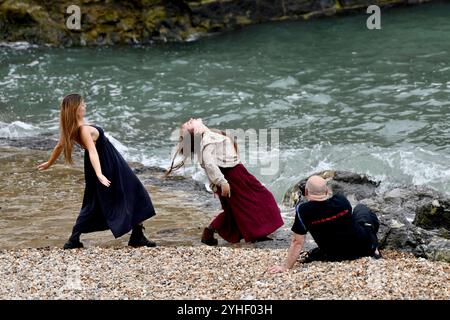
[179, 149]
[69, 124]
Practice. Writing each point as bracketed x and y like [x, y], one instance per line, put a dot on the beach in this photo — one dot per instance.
[366, 108]
[178, 273]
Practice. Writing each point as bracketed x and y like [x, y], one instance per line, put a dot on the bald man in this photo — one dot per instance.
[339, 233]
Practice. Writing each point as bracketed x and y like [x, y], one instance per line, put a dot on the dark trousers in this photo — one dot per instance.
[366, 224]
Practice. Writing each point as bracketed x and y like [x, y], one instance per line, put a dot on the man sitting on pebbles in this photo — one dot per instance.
[339, 233]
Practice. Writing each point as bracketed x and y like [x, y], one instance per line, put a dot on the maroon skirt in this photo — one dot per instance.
[250, 213]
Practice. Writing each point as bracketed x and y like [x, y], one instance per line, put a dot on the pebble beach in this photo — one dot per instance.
[360, 100]
[213, 273]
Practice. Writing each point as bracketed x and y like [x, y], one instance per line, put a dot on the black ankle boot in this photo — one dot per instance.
[208, 237]
[138, 239]
[73, 242]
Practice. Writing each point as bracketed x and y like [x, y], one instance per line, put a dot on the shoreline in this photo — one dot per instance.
[200, 273]
[39, 208]
[41, 213]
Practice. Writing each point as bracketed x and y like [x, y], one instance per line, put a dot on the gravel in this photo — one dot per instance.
[212, 273]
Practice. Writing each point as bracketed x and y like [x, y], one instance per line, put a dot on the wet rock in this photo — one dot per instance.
[41, 142]
[351, 184]
[438, 249]
[434, 214]
[175, 183]
[20, 21]
[412, 219]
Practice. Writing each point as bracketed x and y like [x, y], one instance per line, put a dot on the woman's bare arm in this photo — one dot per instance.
[53, 157]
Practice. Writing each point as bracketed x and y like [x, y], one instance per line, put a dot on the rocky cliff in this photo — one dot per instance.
[107, 22]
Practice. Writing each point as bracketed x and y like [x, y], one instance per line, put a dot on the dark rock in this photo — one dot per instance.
[304, 7]
[270, 9]
[175, 183]
[348, 183]
[41, 142]
[433, 215]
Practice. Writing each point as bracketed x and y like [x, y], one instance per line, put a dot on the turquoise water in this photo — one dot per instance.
[342, 96]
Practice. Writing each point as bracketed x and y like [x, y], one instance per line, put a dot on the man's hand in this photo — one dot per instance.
[277, 269]
[43, 166]
[293, 253]
[226, 191]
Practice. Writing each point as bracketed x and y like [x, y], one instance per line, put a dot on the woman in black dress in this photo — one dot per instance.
[114, 198]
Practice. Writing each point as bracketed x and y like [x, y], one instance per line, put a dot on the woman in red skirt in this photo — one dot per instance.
[250, 211]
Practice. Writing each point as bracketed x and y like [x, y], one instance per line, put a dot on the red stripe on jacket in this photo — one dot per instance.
[340, 214]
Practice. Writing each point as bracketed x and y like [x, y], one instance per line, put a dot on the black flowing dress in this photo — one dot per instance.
[118, 207]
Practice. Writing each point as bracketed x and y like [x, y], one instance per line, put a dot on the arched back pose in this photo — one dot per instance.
[114, 198]
[250, 211]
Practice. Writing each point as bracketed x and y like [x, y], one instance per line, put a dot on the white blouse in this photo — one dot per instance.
[217, 151]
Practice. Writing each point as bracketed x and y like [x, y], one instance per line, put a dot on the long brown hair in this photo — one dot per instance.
[69, 124]
[179, 149]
